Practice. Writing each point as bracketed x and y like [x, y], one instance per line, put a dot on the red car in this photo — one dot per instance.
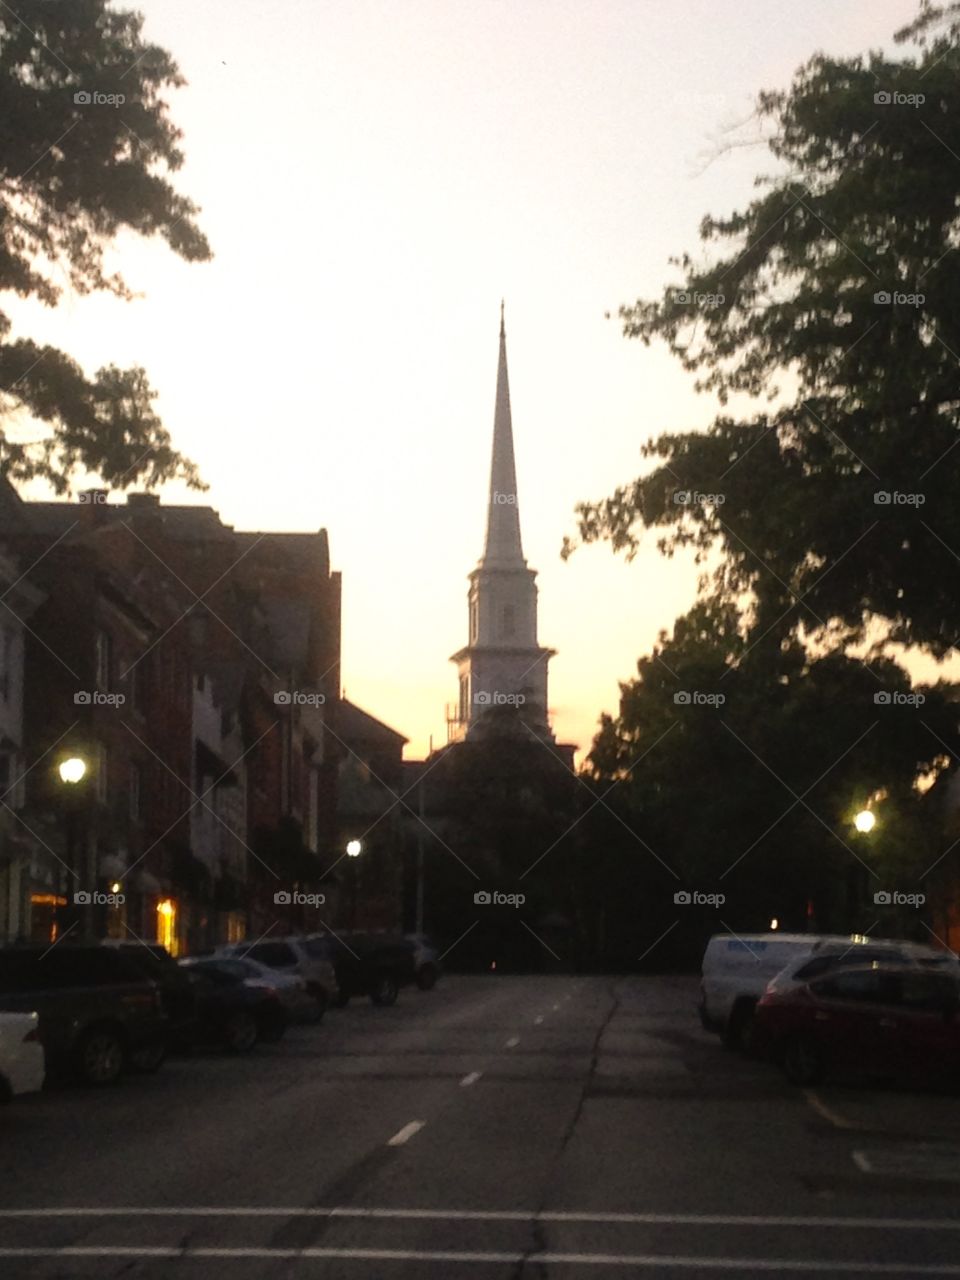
[879, 1020]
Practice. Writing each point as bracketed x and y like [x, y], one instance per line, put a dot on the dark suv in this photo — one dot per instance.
[98, 1012]
[368, 964]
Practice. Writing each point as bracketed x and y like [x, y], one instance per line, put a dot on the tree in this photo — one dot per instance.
[834, 297]
[741, 773]
[85, 147]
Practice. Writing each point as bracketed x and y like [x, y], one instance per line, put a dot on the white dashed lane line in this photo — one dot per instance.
[513, 1042]
[406, 1133]
[472, 1078]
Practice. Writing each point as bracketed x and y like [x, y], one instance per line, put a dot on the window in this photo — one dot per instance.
[276, 954]
[928, 991]
[474, 622]
[104, 660]
[508, 622]
[860, 985]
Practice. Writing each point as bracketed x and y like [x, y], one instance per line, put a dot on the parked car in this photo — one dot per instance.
[369, 964]
[177, 995]
[301, 1005]
[21, 1055]
[832, 955]
[885, 1020]
[231, 1011]
[426, 959]
[296, 955]
[97, 1011]
[738, 968]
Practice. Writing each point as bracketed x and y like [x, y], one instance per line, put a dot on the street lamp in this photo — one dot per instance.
[72, 772]
[865, 821]
[354, 849]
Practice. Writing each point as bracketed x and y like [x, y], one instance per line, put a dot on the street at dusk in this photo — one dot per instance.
[480, 645]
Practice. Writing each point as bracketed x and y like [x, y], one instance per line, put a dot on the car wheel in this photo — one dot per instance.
[738, 1028]
[385, 990]
[100, 1057]
[271, 1027]
[319, 1003]
[803, 1061]
[427, 977]
[149, 1059]
[240, 1032]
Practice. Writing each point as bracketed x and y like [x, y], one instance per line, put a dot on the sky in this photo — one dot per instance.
[374, 177]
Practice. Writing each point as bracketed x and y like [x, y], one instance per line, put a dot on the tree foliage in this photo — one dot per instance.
[78, 168]
[833, 299]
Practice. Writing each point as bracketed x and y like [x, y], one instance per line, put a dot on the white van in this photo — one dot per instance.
[738, 968]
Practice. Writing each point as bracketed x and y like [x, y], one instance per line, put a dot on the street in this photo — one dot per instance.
[520, 1127]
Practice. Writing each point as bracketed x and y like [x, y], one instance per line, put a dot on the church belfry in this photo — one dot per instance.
[502, 664]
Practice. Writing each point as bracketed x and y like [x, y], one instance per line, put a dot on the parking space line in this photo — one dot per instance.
[406, 1133]
[472, 1078]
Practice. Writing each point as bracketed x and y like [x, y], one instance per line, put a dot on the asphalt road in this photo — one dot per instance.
[508, 1127]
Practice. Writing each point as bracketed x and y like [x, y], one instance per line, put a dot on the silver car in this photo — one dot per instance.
[293, 957]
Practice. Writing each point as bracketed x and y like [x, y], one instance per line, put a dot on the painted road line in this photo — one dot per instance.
[874, 1223]
[406, 1133]
[472, 1078]
[513, 1042]
[538, 1019]
[834, 1117]
[659, 1262]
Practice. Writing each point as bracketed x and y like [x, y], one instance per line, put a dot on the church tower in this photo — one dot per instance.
[502, 665]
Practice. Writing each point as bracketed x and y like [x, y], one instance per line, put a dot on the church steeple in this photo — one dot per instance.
[502, 548]
[503, 665]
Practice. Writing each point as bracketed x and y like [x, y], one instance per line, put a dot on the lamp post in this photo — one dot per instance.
[72, 772]
[354, 850]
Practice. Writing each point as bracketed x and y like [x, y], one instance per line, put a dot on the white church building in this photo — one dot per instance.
[503, 664]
